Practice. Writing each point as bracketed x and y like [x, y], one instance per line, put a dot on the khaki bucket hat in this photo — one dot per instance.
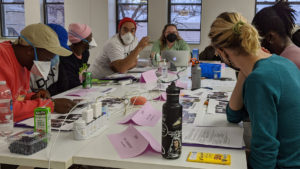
[42, 36]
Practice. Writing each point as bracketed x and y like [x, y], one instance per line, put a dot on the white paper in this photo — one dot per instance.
[28, 122]
[231, 137]
[218, 84]
[91, 96]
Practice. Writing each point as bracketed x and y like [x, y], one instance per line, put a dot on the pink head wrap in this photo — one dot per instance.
[78, 31]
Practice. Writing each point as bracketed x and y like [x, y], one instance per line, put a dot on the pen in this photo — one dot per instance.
[207, 88]
[106, 90]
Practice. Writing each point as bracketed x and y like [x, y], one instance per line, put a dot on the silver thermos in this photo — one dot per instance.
[196, 75]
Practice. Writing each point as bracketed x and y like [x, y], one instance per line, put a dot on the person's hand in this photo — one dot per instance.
[143, 42]
[236, 99]
[42, 94]
[63, 105]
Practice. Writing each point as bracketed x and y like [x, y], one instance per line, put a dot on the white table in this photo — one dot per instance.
[63, 151]
[61, 157]
[98, 151]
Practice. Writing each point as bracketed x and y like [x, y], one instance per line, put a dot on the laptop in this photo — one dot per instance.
[140, 69]
[179, 58]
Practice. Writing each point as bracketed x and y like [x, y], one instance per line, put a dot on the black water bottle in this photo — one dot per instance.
[172, 124]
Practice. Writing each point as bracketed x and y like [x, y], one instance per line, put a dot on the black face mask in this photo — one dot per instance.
[229, 63]
[172, 37]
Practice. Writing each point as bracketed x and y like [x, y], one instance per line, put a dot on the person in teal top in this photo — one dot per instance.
[169, 40]
[268, 88]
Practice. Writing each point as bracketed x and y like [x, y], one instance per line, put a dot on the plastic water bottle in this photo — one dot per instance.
[195, 53]
[164, 69]
[6, 110]
[156, 59]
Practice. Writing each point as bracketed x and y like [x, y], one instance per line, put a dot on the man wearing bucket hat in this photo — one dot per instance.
[121, 52]
[38, 82]
[31, 52]
[81, 38]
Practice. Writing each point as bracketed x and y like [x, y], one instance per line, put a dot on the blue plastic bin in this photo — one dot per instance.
[209, 69]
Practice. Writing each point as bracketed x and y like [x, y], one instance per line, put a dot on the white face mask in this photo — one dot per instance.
[41, 68]
[92, 44]
[127, 38]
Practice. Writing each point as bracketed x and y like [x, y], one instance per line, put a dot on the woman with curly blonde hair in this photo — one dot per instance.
[267, 88]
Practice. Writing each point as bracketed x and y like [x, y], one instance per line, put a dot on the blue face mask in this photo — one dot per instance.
[54, 61]
[40, 68]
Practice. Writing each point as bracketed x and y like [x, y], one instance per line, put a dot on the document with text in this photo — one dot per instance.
[229, 137]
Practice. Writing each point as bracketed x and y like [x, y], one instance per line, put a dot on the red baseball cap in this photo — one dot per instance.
[126, 19]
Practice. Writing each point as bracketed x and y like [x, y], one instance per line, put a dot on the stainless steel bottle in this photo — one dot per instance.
[196, 76]
[172, 124]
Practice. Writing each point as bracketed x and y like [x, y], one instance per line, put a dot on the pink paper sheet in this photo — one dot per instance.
[148, 77]
[181, 84]
[146, 116]
[162, 97]
[153, 143]
[131, 142]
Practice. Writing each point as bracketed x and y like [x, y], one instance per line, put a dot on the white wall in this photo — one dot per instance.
[32, 11]
[93, 13]
[111, 18]
[212, 8]
[157, 17]
[101, 16]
